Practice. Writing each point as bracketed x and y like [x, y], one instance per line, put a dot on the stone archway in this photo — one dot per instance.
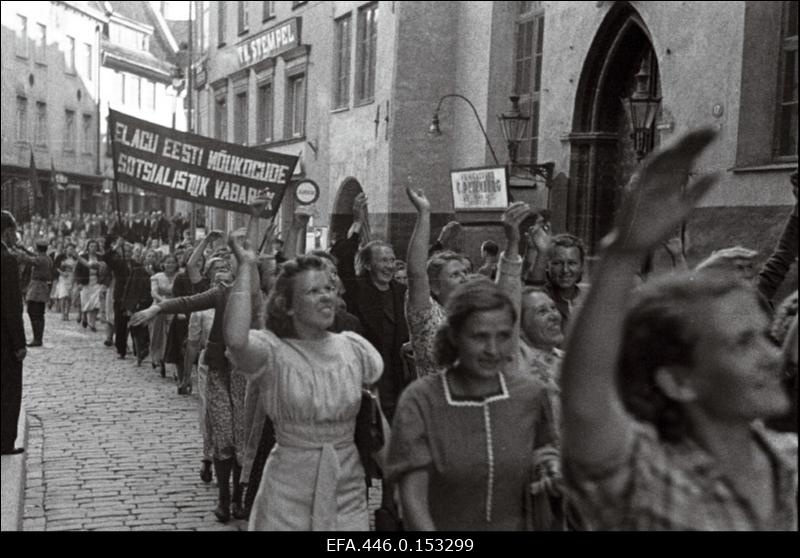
[342, 214]
[602, 157]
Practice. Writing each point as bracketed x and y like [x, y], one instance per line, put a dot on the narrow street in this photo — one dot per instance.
[111, 446]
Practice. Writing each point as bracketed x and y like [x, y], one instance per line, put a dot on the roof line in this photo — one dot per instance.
[162, 23]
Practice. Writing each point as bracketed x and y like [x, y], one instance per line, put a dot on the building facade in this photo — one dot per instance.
[50, 92]
[351, 88]
[64, 65]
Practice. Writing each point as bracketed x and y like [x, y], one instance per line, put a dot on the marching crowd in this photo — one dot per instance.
[518, 394]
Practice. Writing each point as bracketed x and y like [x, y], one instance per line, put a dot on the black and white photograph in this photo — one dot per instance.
[379, 268]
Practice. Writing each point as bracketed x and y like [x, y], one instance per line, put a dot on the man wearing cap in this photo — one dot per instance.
[39, 288]
[12, 336]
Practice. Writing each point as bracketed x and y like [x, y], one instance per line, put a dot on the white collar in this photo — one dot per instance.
[491, 399]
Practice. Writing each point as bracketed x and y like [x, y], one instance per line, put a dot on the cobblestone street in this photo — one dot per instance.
[111, 445]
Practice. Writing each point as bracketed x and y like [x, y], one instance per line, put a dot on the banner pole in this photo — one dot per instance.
[114, 160]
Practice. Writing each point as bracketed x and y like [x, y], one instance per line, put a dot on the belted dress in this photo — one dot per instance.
[313, 479]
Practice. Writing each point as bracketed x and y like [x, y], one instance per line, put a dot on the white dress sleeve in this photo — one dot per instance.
[369, 358]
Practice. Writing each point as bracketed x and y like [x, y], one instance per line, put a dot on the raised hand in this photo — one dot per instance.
[243, 253]
[418, 199]
[512, 218]
[540, 237]
[449, 233]
[259, 203]
[658, 197]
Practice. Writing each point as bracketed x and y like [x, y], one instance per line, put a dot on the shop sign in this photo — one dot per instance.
[269, 44]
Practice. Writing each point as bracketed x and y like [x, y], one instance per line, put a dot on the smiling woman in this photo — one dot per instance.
[464, 442]
[311, 382]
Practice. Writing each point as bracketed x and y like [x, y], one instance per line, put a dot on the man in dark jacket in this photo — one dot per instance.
[118, 260]
[12, 336]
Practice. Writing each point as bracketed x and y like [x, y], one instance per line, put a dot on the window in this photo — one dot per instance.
[297, 4]
[148, 94]
[204, 25]
[242, 18]
[69, 55]
[87, 133]
[528, 73]
[787, 90]
[41, 43]
[41, 124]
[365, 55]
[69, 131]
[265, 100]
[341, 88]
[240, 118]
[22, 119]
[22, 36]
[767, 131]
[220, 116]
[221, 16]
[268, 9]
[295, 106]
[87, 59]
[133, 91]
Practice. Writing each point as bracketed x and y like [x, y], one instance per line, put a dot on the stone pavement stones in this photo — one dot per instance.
[111, 445]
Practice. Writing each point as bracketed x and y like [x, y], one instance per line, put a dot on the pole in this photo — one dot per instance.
[114, 161]
[478, 118]
[189, 91]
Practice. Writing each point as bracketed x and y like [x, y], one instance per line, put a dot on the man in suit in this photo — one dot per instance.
[12, 334]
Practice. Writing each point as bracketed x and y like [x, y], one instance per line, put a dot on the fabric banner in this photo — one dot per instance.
[196, 168]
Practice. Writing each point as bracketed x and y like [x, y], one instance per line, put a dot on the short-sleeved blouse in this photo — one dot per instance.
[312, 380]
[311, 390]
[479, 454]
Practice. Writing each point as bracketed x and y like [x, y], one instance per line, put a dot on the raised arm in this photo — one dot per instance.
[193, 270]
[419, 290]
[509, 271]
[596, 425]
[239, 311]
[178, 305]
[540, 241]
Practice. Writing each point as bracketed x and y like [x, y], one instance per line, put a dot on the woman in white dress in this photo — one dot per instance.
[161, 290]
[65, 282]
[91, 294]
[312, 382]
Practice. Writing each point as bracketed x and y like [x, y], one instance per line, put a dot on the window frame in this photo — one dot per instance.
[241, 120]
[220, 98]
[242, 18]
[21, 134]
[69, 56]
[366, 55]
[70, 131]
[222, 16]
[21, 48]
[41, 133]
[40, 47]
[88, 54]
[267, 11]
[87, 137]
[342, 62]
[290, 112]
[533, 14]
[788, 43]
[265, 124]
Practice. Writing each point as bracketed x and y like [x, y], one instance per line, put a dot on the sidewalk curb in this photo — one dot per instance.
[14, 469]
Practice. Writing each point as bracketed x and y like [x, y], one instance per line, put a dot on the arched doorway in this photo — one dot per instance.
[342, 214]
[602, 156]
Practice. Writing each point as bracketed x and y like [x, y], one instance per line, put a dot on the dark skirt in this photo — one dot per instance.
[176, 341]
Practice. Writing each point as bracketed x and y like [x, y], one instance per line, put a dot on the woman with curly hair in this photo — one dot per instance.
[311, 385]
